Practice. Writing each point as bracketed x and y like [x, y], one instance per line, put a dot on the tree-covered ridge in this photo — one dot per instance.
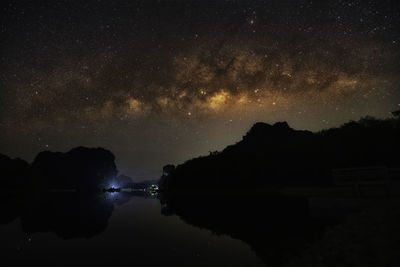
[274, 155]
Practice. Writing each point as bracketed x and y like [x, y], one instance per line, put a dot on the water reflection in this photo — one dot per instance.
[59, 204]
[77, 213]
[68, 215]
[265, 225]
[61, 192]
[276, 229]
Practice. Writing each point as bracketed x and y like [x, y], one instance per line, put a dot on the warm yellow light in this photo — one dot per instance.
[217, 101]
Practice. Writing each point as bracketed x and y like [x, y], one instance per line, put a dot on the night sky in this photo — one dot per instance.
[160, 82]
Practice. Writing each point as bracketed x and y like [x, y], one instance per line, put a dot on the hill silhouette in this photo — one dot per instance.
[60, 192]
[14, 172]
[80, 168]
[219, 192]
[277, 155]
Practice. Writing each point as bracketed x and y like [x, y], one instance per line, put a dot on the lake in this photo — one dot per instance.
[170, 229]
[136, 233]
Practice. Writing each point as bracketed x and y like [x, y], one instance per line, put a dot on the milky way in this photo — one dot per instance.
[162, 81]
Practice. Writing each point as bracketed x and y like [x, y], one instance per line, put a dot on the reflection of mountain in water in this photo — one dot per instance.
[281, 232]
[271, 159]
[60, 192]
[69, 216]
[276, 229]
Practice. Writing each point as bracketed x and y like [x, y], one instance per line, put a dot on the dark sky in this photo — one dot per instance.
[160, 82]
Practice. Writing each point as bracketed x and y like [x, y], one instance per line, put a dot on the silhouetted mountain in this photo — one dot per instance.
[13, 172]
[49, 195]
[60, 192]
[220, 192]
[277, 155]
[81, 168]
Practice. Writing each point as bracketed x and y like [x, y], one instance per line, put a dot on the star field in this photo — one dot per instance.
[163, 81]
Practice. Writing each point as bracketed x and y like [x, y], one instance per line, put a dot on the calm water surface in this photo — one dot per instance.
[136, 233]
